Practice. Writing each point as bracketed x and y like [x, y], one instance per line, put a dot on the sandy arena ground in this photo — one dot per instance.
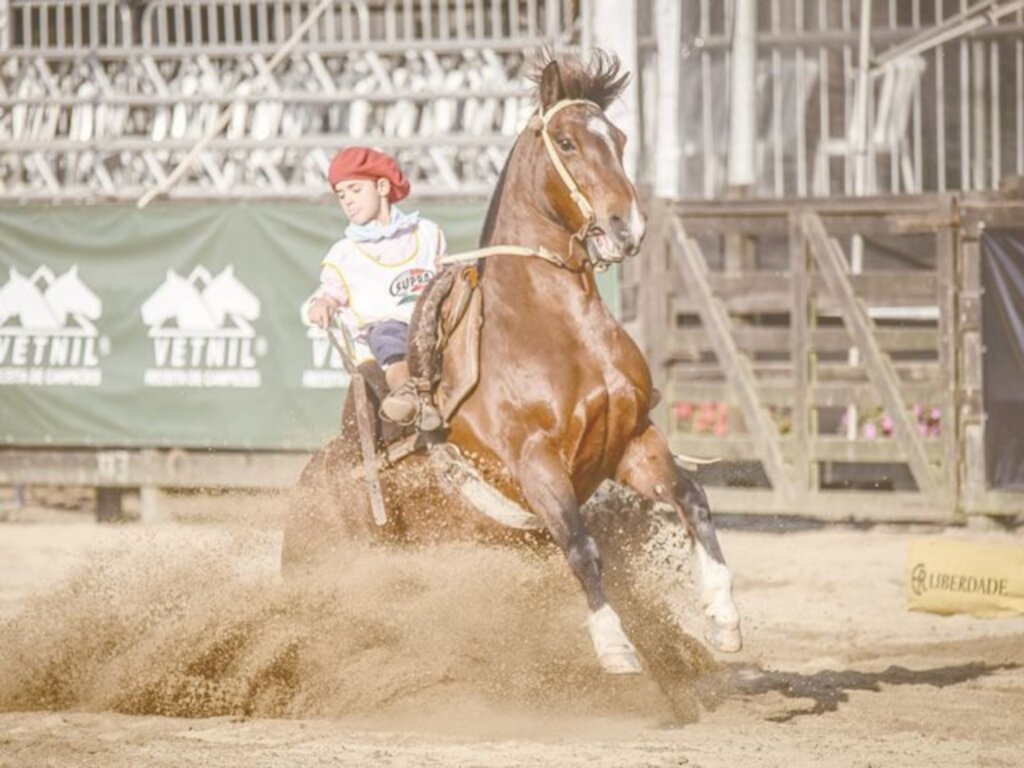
[179, 645]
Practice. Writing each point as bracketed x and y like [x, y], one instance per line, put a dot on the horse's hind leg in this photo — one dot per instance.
[648, 468]
[550, 494]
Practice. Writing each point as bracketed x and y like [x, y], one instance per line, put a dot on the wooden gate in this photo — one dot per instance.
[827, 351]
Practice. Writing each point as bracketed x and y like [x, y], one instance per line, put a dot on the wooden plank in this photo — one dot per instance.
[774, 223]
[174, 468]
[978, 213]
[975, 482]
[876, 205]
[881, 451]
[973, 351]
[823, 395]
[997, 504]
[949, 466]
[879, 366]
[738, 372]
[753, 338]
[882, 287]
[819, 448]
[832, 506]
[766, 371]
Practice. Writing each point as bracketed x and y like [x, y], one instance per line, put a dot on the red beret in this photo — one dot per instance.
[366, 163]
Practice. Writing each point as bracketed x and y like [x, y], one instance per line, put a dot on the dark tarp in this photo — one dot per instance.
[1002, 313]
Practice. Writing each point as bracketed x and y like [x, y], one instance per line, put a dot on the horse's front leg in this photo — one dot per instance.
[648, 468]
[548, 490]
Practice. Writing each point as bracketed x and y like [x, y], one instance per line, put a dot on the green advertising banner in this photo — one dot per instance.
[177, 325]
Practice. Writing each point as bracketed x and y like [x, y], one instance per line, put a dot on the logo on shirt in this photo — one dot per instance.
[410, 284]
[47, 335]
[202, 333]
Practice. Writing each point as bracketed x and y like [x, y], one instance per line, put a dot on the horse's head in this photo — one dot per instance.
[164, 301]
[226, 295]
[69, 295]
[583, 178]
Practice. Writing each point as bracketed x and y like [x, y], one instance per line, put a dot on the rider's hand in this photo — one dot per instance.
[322, 310]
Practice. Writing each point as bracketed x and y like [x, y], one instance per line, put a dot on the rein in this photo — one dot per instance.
[539, 122]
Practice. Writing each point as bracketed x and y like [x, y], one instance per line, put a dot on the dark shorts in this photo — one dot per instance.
[388, 340]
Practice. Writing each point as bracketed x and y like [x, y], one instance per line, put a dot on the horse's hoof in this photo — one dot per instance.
[723, 637]
[620, 663]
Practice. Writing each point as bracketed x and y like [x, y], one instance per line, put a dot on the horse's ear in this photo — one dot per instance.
[73, 271]
[551, 89]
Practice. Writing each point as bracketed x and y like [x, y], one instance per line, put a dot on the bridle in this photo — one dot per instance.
[539, 122]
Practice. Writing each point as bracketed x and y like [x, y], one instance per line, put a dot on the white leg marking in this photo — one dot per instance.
[616, 654]
[716, 589]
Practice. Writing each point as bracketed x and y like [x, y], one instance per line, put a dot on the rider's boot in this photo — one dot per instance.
[404, 405]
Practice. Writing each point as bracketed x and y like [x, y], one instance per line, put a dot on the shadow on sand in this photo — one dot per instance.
[828, 688]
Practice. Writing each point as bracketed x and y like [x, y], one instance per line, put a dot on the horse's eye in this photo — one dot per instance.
[565, 145]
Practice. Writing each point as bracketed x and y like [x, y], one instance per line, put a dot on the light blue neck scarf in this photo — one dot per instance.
[373, 231]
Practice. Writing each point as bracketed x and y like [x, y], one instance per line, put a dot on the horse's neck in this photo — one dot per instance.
[521, 224]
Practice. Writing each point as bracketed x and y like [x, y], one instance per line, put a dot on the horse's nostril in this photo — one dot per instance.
[621, 229]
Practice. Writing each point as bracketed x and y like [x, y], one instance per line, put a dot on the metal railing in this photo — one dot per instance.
[948, 118]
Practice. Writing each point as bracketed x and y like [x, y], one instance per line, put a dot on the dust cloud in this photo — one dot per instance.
[198, 622]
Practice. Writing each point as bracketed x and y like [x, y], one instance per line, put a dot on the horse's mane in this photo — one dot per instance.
[597, 78]
[492, 207]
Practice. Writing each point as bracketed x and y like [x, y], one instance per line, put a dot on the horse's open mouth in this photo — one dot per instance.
[603, 248]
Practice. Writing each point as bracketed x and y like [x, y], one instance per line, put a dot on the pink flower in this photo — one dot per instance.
[870, 431]
[683, 410]
[887, 424]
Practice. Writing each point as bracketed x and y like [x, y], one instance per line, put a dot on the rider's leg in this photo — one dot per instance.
[405, 403]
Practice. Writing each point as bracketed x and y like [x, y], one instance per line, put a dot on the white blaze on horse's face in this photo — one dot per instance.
[598, 126]
[621, 233]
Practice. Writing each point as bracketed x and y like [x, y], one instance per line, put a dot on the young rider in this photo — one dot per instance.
[373, 275]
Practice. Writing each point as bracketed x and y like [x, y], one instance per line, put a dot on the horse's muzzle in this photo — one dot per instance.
[628, 235]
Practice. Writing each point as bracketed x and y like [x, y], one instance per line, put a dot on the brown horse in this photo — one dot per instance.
[563, 398]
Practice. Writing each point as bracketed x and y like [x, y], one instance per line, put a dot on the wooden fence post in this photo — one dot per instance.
[801, 320]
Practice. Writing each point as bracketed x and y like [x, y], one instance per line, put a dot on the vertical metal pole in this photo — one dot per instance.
[668, 33]
[978, 88]
[615, 28]
[743, 99]
[860, 170]
[863, 128]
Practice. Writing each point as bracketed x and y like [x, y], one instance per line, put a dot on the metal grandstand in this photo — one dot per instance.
[101, 99]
